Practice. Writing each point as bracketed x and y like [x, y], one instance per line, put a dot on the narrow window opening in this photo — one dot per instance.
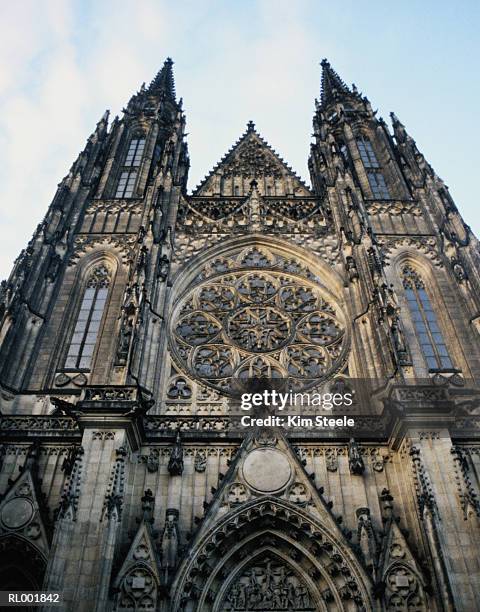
[378, 185]
[367, 153]
[430, 337]
[85, 334]
[126, 184]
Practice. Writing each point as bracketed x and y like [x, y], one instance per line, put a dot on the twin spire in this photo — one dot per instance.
[332, 84]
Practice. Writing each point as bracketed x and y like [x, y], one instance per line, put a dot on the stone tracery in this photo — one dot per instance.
[263, 322]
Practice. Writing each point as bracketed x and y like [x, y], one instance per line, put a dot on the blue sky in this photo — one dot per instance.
[63, 63]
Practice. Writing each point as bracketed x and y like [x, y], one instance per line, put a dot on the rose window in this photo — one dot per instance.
[247, 324]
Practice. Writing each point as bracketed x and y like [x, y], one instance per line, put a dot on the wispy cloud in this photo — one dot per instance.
[64, 62]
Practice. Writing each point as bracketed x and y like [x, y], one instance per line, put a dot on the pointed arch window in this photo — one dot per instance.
[425, 321]
[126, 184]
[128, 176]
[135, 151]
[367, 153]
[375, 176]
[378, 185]
[87, 327]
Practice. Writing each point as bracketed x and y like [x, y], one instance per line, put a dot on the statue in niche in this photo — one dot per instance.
[175, 464]
[355, 460]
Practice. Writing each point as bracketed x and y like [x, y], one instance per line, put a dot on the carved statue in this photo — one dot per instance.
[355, 460]
[163, 267]
[170, 539]
[175, 464]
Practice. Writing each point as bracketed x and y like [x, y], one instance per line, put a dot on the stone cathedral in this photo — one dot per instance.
[126, 481]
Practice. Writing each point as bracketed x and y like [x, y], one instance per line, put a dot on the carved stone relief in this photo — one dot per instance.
[269, 584]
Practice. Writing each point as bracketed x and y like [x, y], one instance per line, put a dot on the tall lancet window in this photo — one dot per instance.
[135, 152]
[128, 176]
[85, 334]
[424, 319]
[367, 153]
[375, 176]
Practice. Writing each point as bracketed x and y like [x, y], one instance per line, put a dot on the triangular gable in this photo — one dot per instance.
[267, 512]
[266, 465]
[142, 551]
[251, 158]
[399, 576]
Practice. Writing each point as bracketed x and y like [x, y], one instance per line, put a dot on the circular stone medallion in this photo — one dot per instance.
[17, 513]
[266, 470]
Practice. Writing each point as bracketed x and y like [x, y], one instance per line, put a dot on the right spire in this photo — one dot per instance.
[332, 84]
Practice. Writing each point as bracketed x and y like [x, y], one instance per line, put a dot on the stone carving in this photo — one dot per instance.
[138, 580]
[355, 460]
[179, 389]
[298, 494]
[83, 244]
[113, 503]
[331, 460]
[69, 501]
[163, 267]
[23, 509]
[425, 497]
[152, 461]
[290, 325]
[268, 584]
[200, 463]
[170, 539]
[237, 494]
[103, 435]
[427, 246]
[110, 394]
[64, 378]
[175, 464]
[138, 590]
[403, 590]
[468, 497]
[38, 423]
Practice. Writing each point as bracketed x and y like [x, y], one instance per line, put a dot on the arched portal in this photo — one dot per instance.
[22, 565]
[270, 555]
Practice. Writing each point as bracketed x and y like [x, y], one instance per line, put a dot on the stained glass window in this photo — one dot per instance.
[367, 153]
[135, 152]
[85, 334]
[377, 185]
[425, 321]
[126, 184]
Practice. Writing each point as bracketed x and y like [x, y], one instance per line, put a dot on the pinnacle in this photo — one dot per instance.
[332, 84]
[163, 83]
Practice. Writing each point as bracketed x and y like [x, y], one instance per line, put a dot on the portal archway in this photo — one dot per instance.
[229, 564]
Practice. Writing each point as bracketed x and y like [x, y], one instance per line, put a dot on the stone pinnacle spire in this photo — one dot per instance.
[332, 84]
[164, 82]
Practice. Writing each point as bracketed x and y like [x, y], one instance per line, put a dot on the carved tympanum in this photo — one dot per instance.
[268, 584]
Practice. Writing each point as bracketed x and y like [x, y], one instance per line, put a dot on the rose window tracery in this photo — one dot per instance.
[258, 323]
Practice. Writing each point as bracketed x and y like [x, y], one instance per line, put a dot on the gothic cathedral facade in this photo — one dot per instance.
[126, 483]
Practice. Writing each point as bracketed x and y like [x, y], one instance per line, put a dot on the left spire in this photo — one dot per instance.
[164, 83]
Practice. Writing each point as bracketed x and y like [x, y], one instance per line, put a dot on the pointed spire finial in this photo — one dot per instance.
[250, 126]
[395, 120]
[164, 82]
[331, 83]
